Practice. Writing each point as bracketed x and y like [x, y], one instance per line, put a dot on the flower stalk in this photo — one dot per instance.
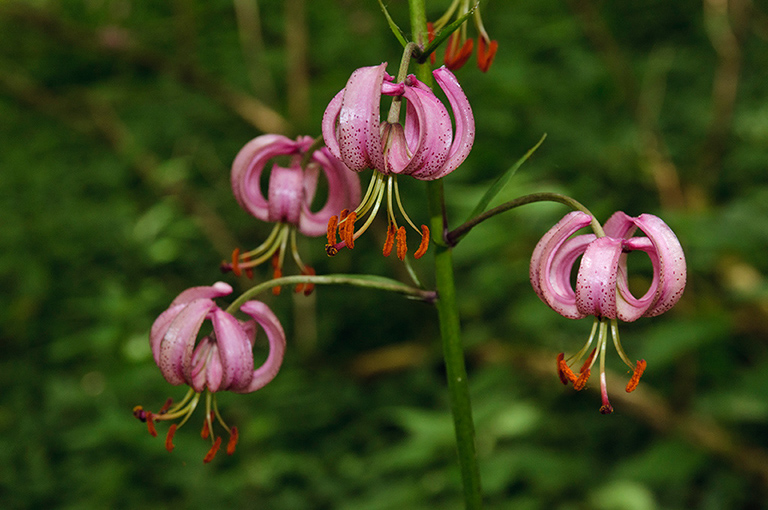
[447, 310]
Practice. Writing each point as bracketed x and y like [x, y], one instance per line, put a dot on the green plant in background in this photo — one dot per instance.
[426, 146]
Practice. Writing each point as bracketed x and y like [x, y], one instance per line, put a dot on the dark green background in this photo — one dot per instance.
[118, 123]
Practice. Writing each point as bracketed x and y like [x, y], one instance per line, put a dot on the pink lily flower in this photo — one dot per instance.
[602, 287]
[221, 361]
[289, 197]
[425, 146]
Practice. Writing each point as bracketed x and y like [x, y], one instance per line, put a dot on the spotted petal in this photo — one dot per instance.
[276, 338]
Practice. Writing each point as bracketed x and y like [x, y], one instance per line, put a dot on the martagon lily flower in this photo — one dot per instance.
[424, 147]
[221, 361]
[289, 198]
[602, 287]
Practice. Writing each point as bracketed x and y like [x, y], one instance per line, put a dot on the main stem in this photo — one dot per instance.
[447, 311]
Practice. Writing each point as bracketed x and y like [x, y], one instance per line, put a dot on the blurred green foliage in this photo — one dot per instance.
[118, 122]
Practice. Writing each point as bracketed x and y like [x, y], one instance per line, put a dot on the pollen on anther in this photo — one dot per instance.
[581, 381]
[169, 437]
[402, 247]
[635, 379]
[606, 409]
[205, 432]
[424, 243]
[232, 441]
[236, 262]
[151, 425]
[212, 452]
[390, 241]
[166, 406]
[564, 371]
[333, 222]
[349, 230]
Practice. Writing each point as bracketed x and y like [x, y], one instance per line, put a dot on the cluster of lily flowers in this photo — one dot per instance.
[426, 144]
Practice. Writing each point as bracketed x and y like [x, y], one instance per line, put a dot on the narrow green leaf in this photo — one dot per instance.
[443, 35]
[393, 26]
[503, 180]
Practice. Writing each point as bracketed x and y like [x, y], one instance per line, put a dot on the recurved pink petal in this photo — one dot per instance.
[464, 136]
[628, 307]
[357, 133]
[428, 131]
[177, 345]
[206, 367]
[556, 283]
[247, 168]
[596, 280]
[276, 338]
[163, 322]
[286, 194]
[234, 349]
[671, 259]
[544, 255]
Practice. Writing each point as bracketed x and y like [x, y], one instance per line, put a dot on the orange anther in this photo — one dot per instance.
[206, 431]
[169, 437]
[635, 379]
[486, 50]
[277, 272]
[424, 243]
[349, 230]
[333, 222]
[166, 406]
[389, 243]
[236, 262]
[232, 441]
[581, 381]
[402, 247]
[212, 452]
[151, 425]
[588, 363]
[563, 371]
[456, 54]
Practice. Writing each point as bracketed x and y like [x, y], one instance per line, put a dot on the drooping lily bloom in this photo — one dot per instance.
[602, 287]
[221, 361]
[425, 146]
[458, 47]
[289, 197]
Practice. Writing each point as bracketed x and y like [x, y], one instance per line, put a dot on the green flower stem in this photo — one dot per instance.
[368, 281]
[453, 237]
[447, 310]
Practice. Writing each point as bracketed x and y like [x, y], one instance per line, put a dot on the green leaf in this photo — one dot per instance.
[502, 181]
[393, 26]
[443, 34]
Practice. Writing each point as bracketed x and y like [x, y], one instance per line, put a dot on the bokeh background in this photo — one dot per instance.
[118, 122]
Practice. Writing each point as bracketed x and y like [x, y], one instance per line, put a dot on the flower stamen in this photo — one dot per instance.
[233, 436]
[424, 244]
[402, 247]
[390, 241]
[212, 452]
[564, 371]
[635, 379]
[169, 437]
